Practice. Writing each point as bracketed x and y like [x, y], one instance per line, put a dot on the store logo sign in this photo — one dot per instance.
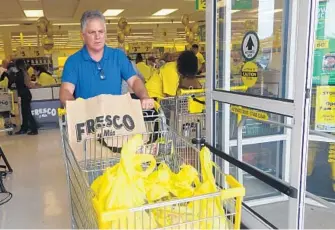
[44, 112]
[4, 102]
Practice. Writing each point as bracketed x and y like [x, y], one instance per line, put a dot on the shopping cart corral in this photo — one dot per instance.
[167, 147]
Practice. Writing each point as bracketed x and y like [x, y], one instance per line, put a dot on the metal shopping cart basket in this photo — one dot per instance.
[81, 173]
[7, 108]
[185, 111]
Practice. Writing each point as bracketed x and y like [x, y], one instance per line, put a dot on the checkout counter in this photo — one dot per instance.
[44, 106]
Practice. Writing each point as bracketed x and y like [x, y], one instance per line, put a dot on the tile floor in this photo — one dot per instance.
[38, 182]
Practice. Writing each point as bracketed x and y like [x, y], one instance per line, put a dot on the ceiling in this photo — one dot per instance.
[65, 11]
[65, 16]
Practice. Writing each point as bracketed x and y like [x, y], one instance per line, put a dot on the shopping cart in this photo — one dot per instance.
[173, 150]
[185, 113]
[6, 109]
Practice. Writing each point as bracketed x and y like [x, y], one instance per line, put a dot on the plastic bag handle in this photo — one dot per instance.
[144, 158]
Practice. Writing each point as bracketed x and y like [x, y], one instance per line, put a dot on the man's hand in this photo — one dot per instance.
[66, 92]
[136, 84]
[147, 103]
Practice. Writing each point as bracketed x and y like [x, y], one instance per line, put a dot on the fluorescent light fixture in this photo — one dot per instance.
[67, 24]
[164, 12]
[113, 12]
[33, 13]
[8, 25]
[235, 11]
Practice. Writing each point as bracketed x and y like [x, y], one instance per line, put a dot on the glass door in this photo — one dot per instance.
[258, 55]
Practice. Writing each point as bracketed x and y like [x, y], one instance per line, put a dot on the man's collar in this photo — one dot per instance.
[87, 56]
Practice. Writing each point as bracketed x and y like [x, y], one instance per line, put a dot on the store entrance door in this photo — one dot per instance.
[258, 56]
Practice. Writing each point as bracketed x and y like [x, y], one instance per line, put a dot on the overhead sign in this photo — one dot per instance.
[325, 109]
[250, 45]
[200, 4]
[29, 52]
[251, 113]
[249, 74]
[140, 47]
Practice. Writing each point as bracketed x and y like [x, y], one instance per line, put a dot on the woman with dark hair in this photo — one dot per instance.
[23, 84]
[44, 78]
[174, 75]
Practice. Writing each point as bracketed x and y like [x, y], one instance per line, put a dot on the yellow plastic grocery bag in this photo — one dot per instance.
[209, 211]
[121, 187]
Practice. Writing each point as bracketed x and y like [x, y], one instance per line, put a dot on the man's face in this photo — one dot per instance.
[94, 34]
[195, 50]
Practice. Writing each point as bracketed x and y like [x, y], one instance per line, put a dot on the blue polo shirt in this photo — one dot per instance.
[85, 73]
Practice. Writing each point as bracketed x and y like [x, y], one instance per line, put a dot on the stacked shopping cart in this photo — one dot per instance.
[6, 109]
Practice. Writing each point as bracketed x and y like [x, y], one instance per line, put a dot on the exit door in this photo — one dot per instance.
[258, 56]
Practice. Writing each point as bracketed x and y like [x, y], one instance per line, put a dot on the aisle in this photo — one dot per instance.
[38, 182]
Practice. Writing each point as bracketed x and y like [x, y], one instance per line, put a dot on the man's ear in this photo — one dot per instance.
[82, 36]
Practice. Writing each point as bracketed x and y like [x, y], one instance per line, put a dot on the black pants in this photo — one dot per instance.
[28, 121]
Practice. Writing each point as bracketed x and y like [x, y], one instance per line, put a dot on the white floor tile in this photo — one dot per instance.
[38, 183]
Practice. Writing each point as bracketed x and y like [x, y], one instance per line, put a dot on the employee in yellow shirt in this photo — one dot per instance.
[143, 68]
[201, 59]
[165, 81]
[44, 78]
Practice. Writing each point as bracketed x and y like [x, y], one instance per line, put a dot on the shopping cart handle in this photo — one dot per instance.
[61, 112]
[197, 100]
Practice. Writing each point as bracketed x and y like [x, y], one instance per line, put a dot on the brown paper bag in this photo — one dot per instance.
[102, 118]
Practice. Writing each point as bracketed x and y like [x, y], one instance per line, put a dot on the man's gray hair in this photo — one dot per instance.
[91, 14]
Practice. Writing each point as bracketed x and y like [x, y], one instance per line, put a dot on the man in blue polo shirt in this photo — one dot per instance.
[97, 69]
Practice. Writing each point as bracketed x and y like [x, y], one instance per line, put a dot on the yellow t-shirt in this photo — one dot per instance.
[164, 82]
[4, 83]
[46, 80]
[144, 69]
[201, 60]
[30, 71]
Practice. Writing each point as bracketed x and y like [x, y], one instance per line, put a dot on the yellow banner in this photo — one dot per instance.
[325, 109]
[255, 114]
[140, 47]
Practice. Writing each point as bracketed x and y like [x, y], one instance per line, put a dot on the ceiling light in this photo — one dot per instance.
[33, 13]
[152, 23]
[113, 12]
[164, 12]
[67, 24]
[8, 25]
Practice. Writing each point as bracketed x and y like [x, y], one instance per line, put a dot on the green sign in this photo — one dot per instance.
[324, 53]
[200, 4]
[242, 4]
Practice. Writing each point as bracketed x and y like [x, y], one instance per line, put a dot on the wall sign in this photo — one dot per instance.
[200, 5]
[325, 109]
[250, 45]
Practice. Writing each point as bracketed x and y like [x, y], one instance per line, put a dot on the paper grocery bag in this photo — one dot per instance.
[99, 126]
